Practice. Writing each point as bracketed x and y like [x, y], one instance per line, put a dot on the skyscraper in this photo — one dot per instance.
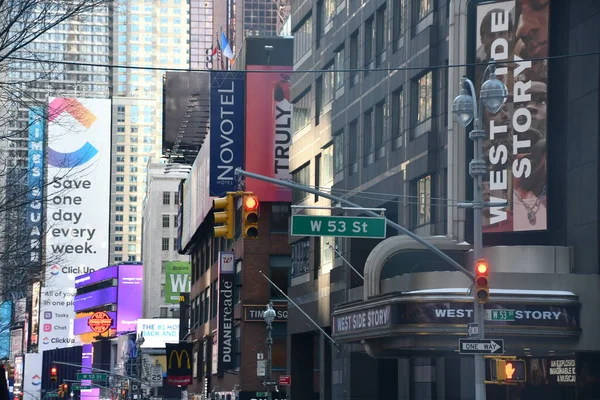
[148, 36]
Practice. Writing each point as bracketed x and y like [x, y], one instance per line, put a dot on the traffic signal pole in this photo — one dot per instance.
[399, 228]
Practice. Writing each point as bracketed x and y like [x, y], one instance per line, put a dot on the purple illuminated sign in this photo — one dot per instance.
[95, 277]
[80, 325]
[95, 299]
[130, 293]
[87, 353]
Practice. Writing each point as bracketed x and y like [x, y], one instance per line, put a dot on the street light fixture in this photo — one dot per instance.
[269, 317]
[465, 108]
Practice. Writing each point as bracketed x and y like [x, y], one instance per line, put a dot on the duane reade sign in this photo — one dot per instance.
[359, 321]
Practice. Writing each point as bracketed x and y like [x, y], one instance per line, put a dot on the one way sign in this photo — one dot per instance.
[481, 346]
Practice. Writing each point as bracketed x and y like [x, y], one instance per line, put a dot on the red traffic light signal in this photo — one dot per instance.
[482, 281]
[250, 216]
[53, 374]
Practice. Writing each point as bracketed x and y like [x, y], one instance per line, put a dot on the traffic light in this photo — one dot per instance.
[482, 281]
[509, 370]
[123, 393]
[225, 218]
[250, 216]
[65, 388]
[53, 374]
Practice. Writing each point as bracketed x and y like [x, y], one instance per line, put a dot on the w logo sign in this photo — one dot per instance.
[82, 115]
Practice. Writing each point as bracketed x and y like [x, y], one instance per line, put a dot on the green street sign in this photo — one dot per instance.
[52, 394]
[356, 227]
[77, 386]
[500, 315]
[91, 377]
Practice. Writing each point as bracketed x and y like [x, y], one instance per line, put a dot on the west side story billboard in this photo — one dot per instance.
[226, 130]
[515, 150]
[77, 212]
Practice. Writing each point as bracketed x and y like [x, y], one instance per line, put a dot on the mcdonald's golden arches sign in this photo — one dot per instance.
[179, 364]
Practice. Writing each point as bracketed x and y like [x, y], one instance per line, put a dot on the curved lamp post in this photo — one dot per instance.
[465, 108]
[269, 316]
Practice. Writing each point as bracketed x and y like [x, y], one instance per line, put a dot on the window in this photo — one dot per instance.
[132, 218]
[339, 66]
[207, 304]
[369, 45]
[119, 208]
[397, 26]
[215, 296]
[118, 238]
[327, 167]
[301, 116]
[397, 114]
[118, 218]
[176, 198]
[353, 146]
[338, 152]
[165, 220]
[165, 244]
[237, 288]
[380, 117]
[175, 244]
[166, 198]
[423, 192]
[424, 97]
[132, 228]
[120, 168]
[118, 228]
[301, 176]
[119, 188]
[424, 8]
[132, 238]
[368, 137]
[175, 223]
[303, 40]
[380, 36]
[327, 90]
[119, 199]
[354, 58]
[118, 248]
[328, 14]
[319, 23]
[131, 247]
[237, 350]
[280, 213]
[132, 188]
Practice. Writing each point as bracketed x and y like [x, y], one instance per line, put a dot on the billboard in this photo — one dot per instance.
[5, 322]
[130, 291]
[515, 149]
[226, 130]
[158, 331]
[178, 280]
[32, 376]
[226, 357]
[268, 122]
[80, 324]
[96, 276]
[179, 364]
[96, 298]
[56, 318]
[35, 181]
[16, 343]
[35, 312]
[77, 208]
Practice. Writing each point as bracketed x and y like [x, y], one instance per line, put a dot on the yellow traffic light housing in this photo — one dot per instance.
[250, 214]
[509, 370]
[225, 218]
[482, 281]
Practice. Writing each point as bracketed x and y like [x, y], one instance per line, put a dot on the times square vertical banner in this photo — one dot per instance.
[35, 181]
[515, 34]
[76, 209]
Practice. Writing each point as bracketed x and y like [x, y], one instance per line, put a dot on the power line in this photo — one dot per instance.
[350, 70]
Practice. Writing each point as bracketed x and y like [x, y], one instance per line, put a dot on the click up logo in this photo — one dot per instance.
[46, 340]
[54, 270]
[36, 380]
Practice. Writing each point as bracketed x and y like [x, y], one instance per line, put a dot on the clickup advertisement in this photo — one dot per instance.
[77, 208]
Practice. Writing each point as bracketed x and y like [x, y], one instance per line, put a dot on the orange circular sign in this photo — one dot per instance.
[100, 322]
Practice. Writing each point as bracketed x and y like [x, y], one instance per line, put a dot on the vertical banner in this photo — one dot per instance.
[5, 323]
[77, 207]
[130, 291]
[35, 312]
[179, 364]
[32, 376]
[226, 130]
[269, 125]
[178, 280]
[180, 216]
[35, 181]
[226, 265]
[515, 151]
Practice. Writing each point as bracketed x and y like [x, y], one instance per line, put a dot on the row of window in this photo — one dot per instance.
[166, 244]
[166, 220]
[166, 196]
[134, 149]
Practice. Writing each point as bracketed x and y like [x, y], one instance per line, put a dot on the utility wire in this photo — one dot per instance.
[287, 71]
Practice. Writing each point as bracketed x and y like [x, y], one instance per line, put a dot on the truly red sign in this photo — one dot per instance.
[285, 380]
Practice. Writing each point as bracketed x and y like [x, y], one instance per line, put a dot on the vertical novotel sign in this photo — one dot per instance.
[225, 313]
[226, 129]
[35, 181]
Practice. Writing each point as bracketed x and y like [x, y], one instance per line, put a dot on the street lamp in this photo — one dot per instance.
[465, 108]
[269, 317]
[138, 343]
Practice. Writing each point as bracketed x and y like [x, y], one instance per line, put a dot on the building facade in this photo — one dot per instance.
[159, 234]
[146, 35]
[388, 120]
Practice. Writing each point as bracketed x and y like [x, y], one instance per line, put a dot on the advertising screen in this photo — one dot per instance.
[515, 149]
[77, 210]
[32, 376]
[35, 180]
[95, 299]
[158, 331]
[56, 318]
[268, 122]
[5, 322]
[95, 277]
[178, 280]
[80, 324]
[129, 297]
